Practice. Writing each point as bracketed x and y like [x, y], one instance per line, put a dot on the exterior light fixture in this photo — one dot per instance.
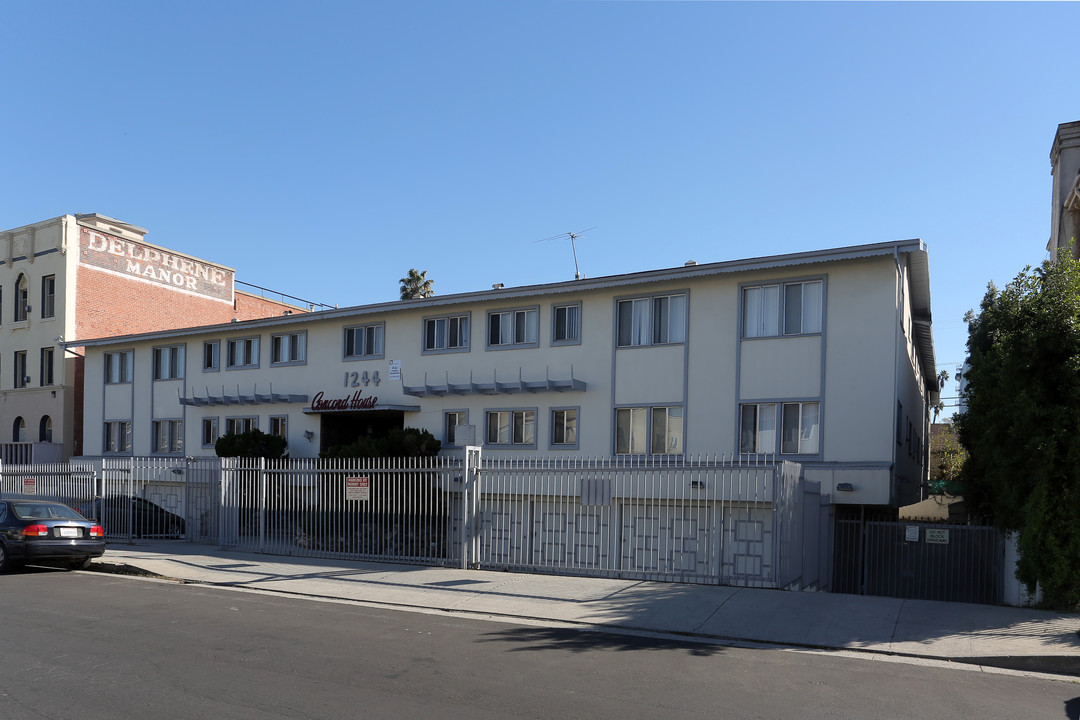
[845, 487]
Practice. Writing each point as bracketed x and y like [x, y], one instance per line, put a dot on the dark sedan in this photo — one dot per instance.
[48, 532]
[135, 516]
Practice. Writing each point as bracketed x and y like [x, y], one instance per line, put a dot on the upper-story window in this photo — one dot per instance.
[364, 341]
[169, 362]
[21, 297]
[47, 362]
[788, 308]
[21, 378]
[211, 356]
[657, 320]
[509, 328]
[118, 367]
[242, 353]
[288, 349]
[48, 296]
[446, 334]
[566, 324]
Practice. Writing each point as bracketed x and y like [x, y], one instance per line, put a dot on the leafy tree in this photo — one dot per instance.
[416, 285]
[399, 442]
[1022, 425]
[947, 459]
[251, 444]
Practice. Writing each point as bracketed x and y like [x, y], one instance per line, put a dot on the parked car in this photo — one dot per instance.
[142, 518]
[46, 531]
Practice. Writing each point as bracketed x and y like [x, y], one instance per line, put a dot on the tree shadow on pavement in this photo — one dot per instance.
[532, 639]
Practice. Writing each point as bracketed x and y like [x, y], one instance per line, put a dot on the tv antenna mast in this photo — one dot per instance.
[573, 236]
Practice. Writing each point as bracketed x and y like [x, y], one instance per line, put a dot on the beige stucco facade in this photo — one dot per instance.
[821, 357]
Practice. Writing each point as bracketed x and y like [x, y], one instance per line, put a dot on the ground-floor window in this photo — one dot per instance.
[168, 436]
[800, 422]
[209, 431]
[655, 430]
[279, 425]
[511, 427]
[238, 425]
[117, 436]
[452, 420]
[799, 428]
[564, 424]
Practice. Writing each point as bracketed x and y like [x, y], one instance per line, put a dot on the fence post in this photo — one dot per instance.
[470, 542]
[262, 504]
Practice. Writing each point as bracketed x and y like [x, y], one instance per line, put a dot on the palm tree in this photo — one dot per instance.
[416, 285]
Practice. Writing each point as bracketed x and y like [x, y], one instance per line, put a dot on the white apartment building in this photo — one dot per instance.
[822, 357]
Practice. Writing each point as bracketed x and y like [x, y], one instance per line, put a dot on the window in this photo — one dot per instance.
[667, 431]
[290, 349]
[564, 423]
[659, 320]
[511, 427]
[242, 353]
[802, 309]
[799, 423]
[47, 355]
[630, 431]
[211, 354]
[21, 378]
[364, 341]
[21, 297]
[757, 428]
[18, 430]
[48, 296]
[513, 327]
[45, 429]
[633, 433]
[209, 431]
[118, 436]
[168, 436]
[446, 334]
[239, 425]
[451, 421]
[566, 324]
[118, 367]
[279, 425]
[169, 362]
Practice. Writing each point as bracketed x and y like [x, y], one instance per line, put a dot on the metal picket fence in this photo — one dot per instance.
[70, 483]
[734, 520]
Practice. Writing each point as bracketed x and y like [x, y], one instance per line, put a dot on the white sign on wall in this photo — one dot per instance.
[395, 370]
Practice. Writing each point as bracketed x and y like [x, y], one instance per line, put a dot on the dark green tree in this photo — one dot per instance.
[1022, 425]
[251, 444]
[416, 285]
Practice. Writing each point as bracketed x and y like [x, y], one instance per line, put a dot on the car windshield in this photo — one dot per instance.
[45, 511]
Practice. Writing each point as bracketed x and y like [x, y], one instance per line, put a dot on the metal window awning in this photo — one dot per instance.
[253, 398]
[495, 386]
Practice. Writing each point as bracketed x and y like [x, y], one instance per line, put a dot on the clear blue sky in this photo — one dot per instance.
[323, 148]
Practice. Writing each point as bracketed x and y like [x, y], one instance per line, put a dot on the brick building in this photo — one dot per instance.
[83, 276]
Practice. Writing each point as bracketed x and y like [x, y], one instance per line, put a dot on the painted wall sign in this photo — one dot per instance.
[29, 486]
[350, 402]
[937, 536]
[153, 265]
[358, 488]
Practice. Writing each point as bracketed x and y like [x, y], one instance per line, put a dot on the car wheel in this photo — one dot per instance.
[83, 564]
[6, 563]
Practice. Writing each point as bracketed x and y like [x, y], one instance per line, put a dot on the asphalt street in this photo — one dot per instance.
[86, 646]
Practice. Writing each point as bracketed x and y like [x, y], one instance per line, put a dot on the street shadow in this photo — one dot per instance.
[533, 639]
[1072, 709]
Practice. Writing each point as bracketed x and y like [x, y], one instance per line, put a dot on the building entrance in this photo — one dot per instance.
[345, 428]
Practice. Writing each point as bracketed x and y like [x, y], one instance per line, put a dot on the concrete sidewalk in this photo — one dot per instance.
[1000, 636]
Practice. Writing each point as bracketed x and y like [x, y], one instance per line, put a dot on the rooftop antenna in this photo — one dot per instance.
[573, 247]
